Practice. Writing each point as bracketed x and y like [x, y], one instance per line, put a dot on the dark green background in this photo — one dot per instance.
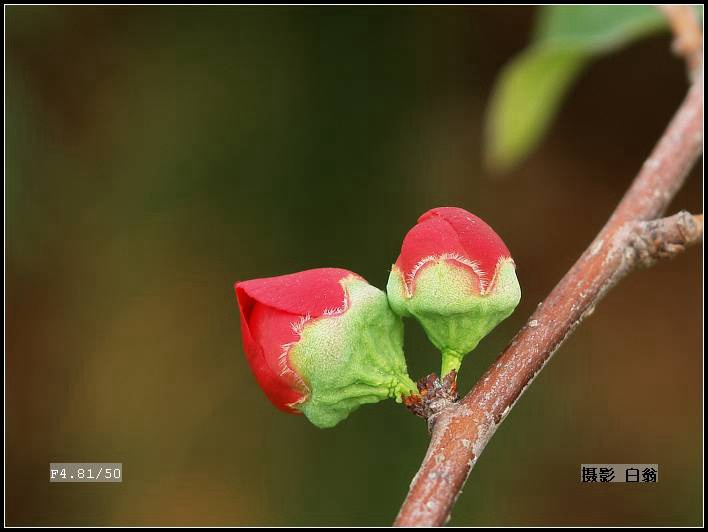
[157, 155]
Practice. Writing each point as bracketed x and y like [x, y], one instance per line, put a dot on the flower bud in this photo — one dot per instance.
[457, 278]
[322, 342]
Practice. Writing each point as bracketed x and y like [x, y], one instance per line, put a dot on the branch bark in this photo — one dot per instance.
[688, 37]
[632, 238]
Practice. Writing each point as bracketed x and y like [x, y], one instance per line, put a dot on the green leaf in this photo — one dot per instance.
[528, 94]
[597, 28]
[530, 89]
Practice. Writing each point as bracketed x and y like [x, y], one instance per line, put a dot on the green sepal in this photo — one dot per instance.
[351, 358]
[446, 303]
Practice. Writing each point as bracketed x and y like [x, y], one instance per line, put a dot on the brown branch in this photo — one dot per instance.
[688, 37]
[631, 238]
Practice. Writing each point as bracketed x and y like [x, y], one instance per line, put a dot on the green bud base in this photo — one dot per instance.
[352, 358]
[454, 317]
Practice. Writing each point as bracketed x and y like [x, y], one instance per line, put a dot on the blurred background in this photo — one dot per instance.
[156, 155]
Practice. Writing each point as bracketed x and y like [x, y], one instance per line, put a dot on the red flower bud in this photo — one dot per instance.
[457, 277]
[308, 337]
[456, 235]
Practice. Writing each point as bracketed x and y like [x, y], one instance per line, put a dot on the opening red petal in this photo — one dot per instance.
[310, 292]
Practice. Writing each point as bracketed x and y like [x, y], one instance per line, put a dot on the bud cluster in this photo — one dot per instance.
[323, 342]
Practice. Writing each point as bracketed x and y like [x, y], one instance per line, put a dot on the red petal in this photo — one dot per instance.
[453, 230]
[304, 293]
[432, 238]
[282, 389]
[482, 244]
[269, 307]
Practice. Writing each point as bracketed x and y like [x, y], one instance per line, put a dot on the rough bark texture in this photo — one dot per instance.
[633, 237]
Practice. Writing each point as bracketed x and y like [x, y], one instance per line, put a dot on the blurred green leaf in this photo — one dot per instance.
[597, 28]
[528, 93]
[531, 87]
